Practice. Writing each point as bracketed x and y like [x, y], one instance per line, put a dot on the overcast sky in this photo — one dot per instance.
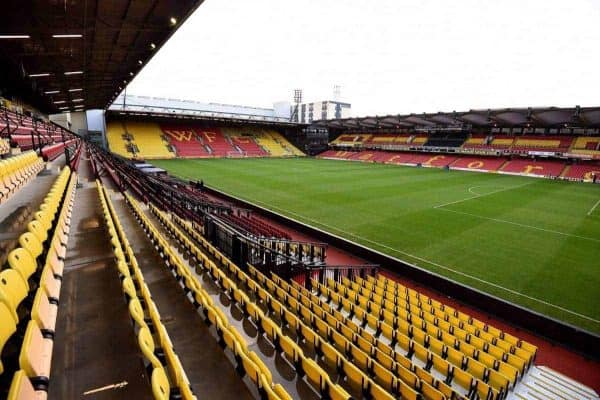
[389, 56]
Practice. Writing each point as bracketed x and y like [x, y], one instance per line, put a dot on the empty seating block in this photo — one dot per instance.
[185, 141]
[148, 138]
[530, 167]
[16, 171]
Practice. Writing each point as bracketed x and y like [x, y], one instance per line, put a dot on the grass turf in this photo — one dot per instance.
[527, 240]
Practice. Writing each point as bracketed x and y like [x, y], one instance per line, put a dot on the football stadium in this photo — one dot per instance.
[164, 248]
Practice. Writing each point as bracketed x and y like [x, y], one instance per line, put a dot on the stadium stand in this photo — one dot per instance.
[30, 291]
[583, 171]
[446, 139]
[245, 143]
[532, 167]
[185, 141]
[478, 163]
[149, 140]
[476, 142]
[586, 145]
[276, 145]
[16, 171]
[166, 375]
[523, 144]
[117, 140]
[220, 145]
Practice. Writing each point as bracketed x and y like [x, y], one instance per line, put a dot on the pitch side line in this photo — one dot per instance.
[593, 208]
[429, 262]
[521, 225]
[481, 195]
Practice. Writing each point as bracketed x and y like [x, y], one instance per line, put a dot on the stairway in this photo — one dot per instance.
[543, 383]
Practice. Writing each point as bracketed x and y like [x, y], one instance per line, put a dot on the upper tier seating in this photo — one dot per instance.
[541, 168]
[185, 141]
[501, 142]
[419, 140]
[587, 145]
[220, 145]
[476, 142]
[524, 144]
[388, 139]
[149, 140]
[16, 171]
[351, 139]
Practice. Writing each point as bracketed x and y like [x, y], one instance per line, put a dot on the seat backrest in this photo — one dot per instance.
[14, 287]
[21, 388]
[29, 241]
[160, 384]
[146, 344]
[38, 230]
[33, 358]
[22, 261]
[41, 312]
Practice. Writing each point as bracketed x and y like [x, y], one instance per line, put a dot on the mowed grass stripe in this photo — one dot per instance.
[391, 209]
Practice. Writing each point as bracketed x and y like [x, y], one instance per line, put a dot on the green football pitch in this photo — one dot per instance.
[531, 241]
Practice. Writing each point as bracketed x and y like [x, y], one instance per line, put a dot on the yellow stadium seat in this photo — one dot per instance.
[22, 261]
[36, 353]
[22, 389]
[314, 374]
[146, 343]
[161, 388]
[13, 290]
[43, 312]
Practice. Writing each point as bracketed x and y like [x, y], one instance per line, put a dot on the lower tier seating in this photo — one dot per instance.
[479, 163]
[16, 171]
[582, 171]
[185, 141]
[167, 377]
[247, 360]
[541, 168]
[30, 292]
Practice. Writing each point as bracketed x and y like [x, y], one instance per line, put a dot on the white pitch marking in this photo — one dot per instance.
[521, 225]
[593, 208]
[482, 195]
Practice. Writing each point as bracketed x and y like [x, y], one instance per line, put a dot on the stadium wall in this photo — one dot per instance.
[572, 337]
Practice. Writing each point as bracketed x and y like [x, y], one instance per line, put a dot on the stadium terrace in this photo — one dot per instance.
[167, 249]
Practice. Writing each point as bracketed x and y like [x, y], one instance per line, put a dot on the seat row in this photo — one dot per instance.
[393, 372]
[506, 341]
[167, 376]
[248, 361]
[276, 319]
[16, 171]
[30, 293]
[446, 357]
[413, 322]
